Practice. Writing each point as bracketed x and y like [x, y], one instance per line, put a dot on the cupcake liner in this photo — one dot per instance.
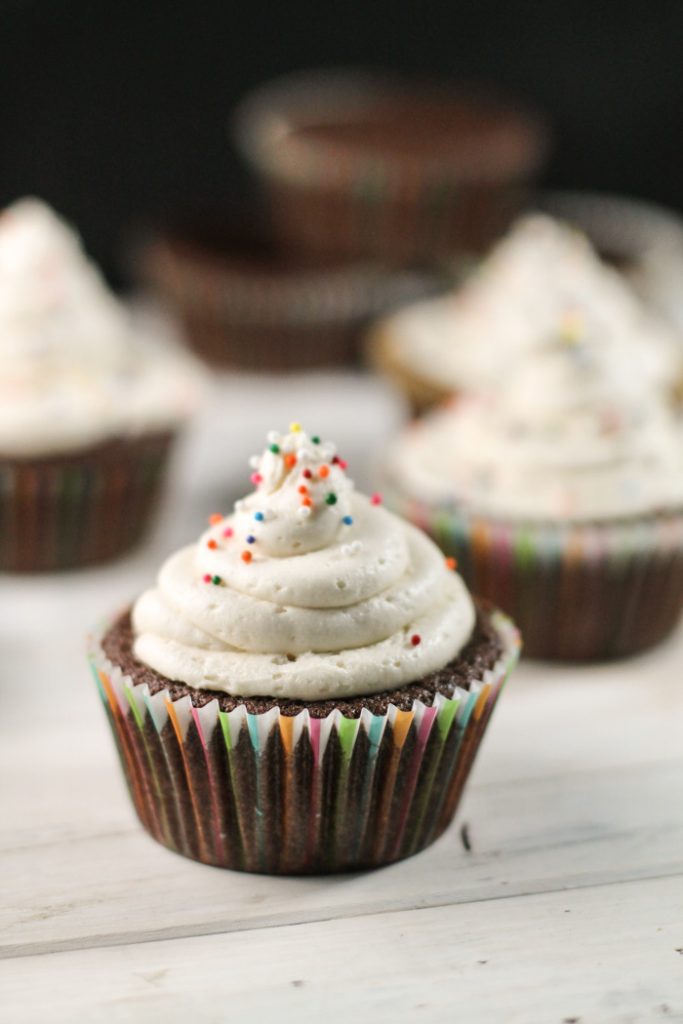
[330, 200]
[278, 319]
[282, 794]
[66, 511]
[578, 591]
[439, 223]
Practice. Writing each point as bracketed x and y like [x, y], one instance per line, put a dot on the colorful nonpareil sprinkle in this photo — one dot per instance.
[250, 539]
[211, 544]
[215, 518]
[216, 580]
[331, 499]
[290, 460]
[228, 531]
[246, 556]
[275, 449]
[259, 517]
[324, 472]
[206, 577]
[452, 564]
[376, 499]
[295, 428]
[256, 478]
[415, 639]
[315, 439]
[307, 474]
[347, 520]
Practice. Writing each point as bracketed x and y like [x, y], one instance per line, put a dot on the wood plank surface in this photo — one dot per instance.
[567, 907]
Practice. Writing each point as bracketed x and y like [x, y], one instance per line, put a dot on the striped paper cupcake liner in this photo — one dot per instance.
[578, 591]
[297, 795]
[63, 512]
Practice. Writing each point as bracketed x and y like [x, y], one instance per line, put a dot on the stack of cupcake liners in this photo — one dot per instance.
[332, 199]
[297, 794]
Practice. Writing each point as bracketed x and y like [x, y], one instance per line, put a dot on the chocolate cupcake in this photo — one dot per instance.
[245, 303]
[305, 688]
[543, 274]
[358, 166]
[88, 409]
[560, 493]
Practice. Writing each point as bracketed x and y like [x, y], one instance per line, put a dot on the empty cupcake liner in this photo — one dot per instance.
[296, 794]
[291, 318]
[66, 511]
[578, 591]
[332, 200]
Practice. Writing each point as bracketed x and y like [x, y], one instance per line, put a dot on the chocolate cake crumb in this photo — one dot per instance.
[480, 653]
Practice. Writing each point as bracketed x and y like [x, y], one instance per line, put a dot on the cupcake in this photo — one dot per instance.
[305, 688]
[543, 272]
[560, 493]
[244, 303]
[358, 166]
[88, 410]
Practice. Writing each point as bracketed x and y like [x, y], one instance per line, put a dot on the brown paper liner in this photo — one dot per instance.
[66, 511]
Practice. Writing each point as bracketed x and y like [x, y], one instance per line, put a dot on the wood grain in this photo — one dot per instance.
[568, 906]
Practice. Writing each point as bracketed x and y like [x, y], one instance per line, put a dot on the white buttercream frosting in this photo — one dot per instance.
[308, 590]
[573, 433]
[73, 371]
[541, 272]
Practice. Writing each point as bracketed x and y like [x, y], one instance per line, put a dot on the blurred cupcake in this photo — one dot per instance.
[243, 303]
[541, 273]
[88, 410]
[560, 494]
[306, 687]
[358, 166]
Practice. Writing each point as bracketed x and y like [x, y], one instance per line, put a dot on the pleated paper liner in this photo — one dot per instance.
[297, 795]
[578, 591]
[67, 511]
[356, 201]
[247, 305]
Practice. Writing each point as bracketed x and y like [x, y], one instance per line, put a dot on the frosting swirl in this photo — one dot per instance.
[573, 433]
[73, 371]
[541, 272]
[308, 591]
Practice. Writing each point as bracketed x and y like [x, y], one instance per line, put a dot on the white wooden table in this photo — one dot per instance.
[568, 906]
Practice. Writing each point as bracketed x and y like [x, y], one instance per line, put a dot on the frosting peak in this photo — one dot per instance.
[74, 371]
[308, 590]
[544, 273]
[572, 433]
[302, 495]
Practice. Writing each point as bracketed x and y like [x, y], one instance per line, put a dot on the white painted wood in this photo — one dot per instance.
[112, 885]
[575, 804]
[604, 955]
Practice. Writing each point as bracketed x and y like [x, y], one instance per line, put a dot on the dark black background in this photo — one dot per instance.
[117, 112]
